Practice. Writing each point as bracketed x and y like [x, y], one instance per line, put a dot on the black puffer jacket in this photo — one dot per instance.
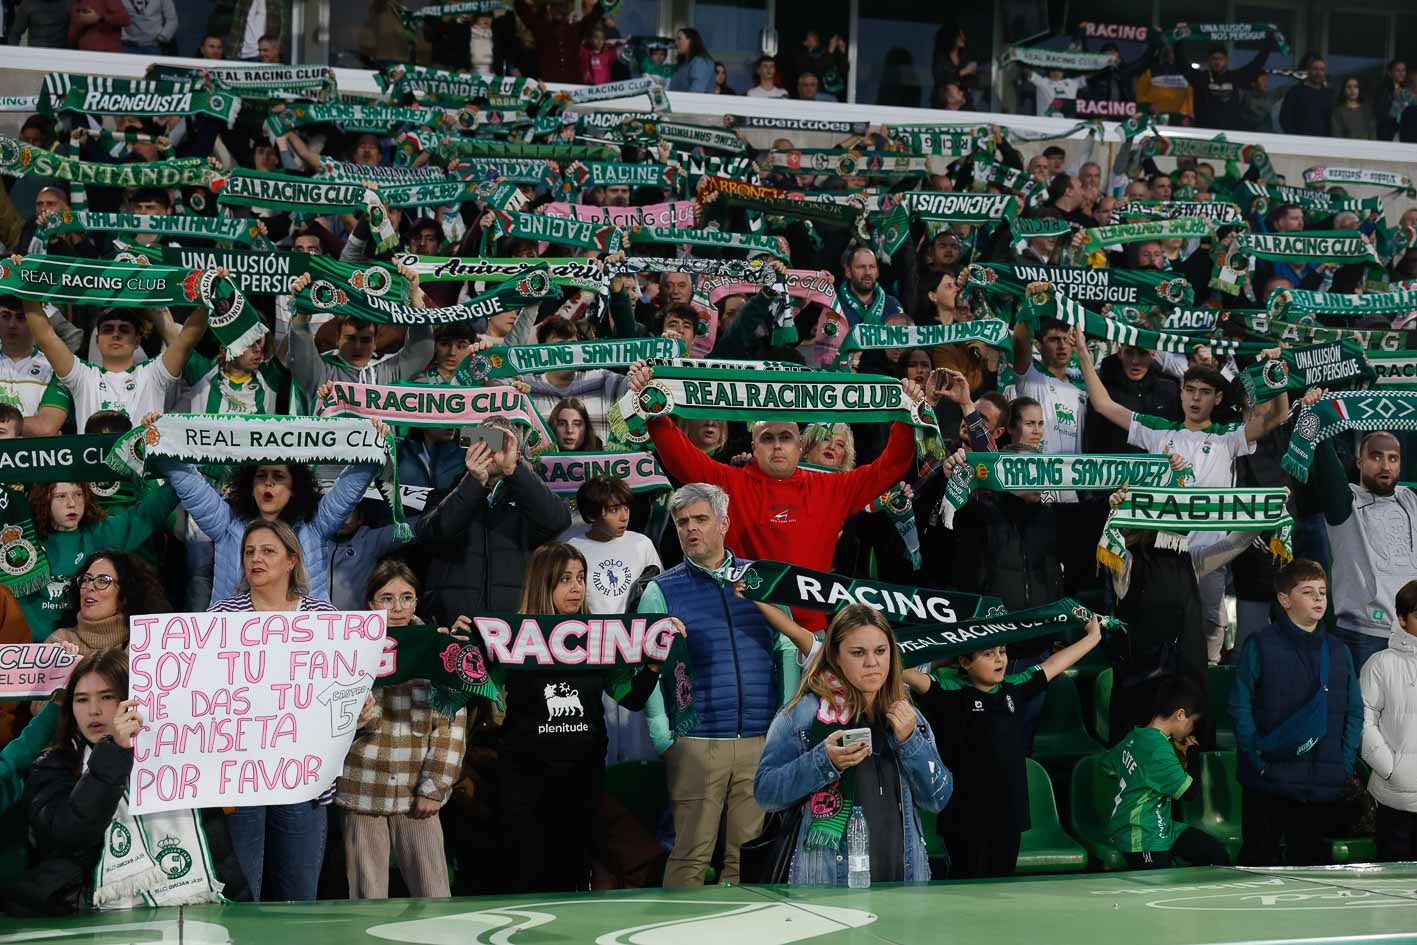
[478, 552]
[1158, 393]
[1007, 547]
[69, 815]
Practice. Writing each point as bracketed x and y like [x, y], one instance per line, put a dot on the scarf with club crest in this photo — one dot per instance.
[1298, 369]
[1349, 410]
[1188, 510]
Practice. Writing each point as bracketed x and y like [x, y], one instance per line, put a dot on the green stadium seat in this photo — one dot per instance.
[1102, 705]
[1046, 846]
[1220, 679]
[642, 787]
[1062, 738]
[1217, 808]
[1091, 797]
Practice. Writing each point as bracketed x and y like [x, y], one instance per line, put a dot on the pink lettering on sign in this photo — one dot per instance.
[34, 670]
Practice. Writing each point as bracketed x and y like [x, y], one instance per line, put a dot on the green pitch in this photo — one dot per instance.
[1368, 904]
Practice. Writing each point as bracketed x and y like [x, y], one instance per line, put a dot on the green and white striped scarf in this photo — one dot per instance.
[706, 238]
[1297, 334]
[1331, 176]
[1299, 304]
[183, 226]
[514, 360]
[799, 397]
[944, 140]
[1340, 247]
[562, 231]
[1100, 237]
[1053, 304]
[1057, 59]
[1298, 369]
[306, 195]
[1064, 472]
[18, 159]
[1196, 510]
[458, 148]
[95, 95]
[1316, 204]
[257, 80]
[1350, 410]
[367, 119]
[455, 88]
[1217, 212]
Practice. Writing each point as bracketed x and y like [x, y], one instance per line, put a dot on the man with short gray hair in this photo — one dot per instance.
[742, 670]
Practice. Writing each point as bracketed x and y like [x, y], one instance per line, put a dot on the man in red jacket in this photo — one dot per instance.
[778, 512]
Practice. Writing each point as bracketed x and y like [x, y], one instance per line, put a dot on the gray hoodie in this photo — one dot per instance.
[150, 22]
[310, 369]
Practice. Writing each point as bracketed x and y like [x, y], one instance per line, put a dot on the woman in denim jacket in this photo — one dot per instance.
[854, 681]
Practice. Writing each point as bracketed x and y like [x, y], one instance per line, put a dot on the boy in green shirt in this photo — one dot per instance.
[1150, 775]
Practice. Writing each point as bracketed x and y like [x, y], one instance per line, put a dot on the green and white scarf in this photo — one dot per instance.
[569, 271]
[851, 162]
[18, 159]
[799, 397]
[565, 473]
[776, 582]
[94, 95]
[1389, 180]
[160, 859]
[1225, 33]
[1316, 204]
[516, 360]
[1297, 334]
[73, 458]
[19, 103]
[951, 141]
[618, 173]
[1135, 287]
[776, 201]
[1298, 369]
[1395, 371]
[441, 193]
[1300, 304]
[456, 88]
[1351, 410]
[183, 226]
[1064, 472]
[367, 119]
[976, 209]
[1196, 510]
[1217, 212]
[985, 170]
[324, 295]
[707, 238]
[562, 231]
[559, 151]
[24, 567]
[65, 280]
[1100, 237]
[257, 80]
[1336, 246]
[867, 336]
[1053, 304]
[928, 643]
[1066, 60]
[688, 136]
[438, 406]
[823, 125]
[647, 85]
[304, 195]
[351, 173]
[270, 273]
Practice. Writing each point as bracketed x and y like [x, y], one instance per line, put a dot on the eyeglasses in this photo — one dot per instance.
[388, 601]
[100, 582]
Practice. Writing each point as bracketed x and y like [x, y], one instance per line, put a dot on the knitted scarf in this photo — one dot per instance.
[670, 215]
[439, 406]
[602, 237]
[1337, 413]
[978, 209]
[689, 136]
[877, 337]
[1339, 247]
[440, 193]
[1136, 287]
[514, 360]
[776, 201]
[775, 582]
[830, 808]
[1033, 472]
[160, 859]
[618, 173]
[1216, 211]
[565, 473]
[400, 82]
[18, 159]
[367, 119]
[1316, 204]
[102, 96]
[927, 643]
[647, 85]
[851, 162]
[1299, 304]
[24, 567]
[351, 173]
[1295, 334]
[569, 271]
[823, 125]
[944, 140]
[1188, 510]
[1395, 371]
[1045, 59]
[801, 397]
[806, 284]
[708, 239]
[282, 192]
[1224, 33]
[324, 295]
[1100, 237]
[1298, 369]
[257, 80]
[1050, 303]
[183, 226]
[1389, 180]
[559, 151]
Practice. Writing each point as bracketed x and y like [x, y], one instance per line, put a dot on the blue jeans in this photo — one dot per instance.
[294, 835]
[1363, 646]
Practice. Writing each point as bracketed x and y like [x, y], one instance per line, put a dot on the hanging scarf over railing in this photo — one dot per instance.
[94, 95]
[805, 397]
[1298, 369]
[1194, 509]
[515, 360]
[1351, 410]
[18, 159]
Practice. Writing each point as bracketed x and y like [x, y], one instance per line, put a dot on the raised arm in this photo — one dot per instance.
[1097, 396]
[1069, 655]
[175, 356]
[47, 339]
[1267, 417]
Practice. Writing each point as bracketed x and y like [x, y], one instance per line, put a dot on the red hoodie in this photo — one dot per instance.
[797, 519]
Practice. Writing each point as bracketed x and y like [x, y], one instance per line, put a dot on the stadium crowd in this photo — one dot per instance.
[1030, 421]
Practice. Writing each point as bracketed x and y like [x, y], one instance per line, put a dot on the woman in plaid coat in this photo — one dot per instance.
[400, 769]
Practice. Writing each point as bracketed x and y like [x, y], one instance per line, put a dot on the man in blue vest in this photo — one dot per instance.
[741, 670]
[1298, 725]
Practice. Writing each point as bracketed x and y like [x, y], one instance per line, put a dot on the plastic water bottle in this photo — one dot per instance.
[858, 851]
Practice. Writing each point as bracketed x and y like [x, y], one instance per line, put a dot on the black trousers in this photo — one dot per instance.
[548, 815]
[1301, 825]
[1196, 847]
[1396, 834]
[982, 854]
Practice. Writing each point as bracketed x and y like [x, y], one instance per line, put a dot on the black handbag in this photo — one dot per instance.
[766, 860]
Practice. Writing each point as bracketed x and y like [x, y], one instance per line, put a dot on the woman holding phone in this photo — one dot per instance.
[854, 682]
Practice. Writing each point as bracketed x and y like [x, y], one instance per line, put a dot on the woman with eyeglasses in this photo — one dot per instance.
[110, 587]
[401, 768]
